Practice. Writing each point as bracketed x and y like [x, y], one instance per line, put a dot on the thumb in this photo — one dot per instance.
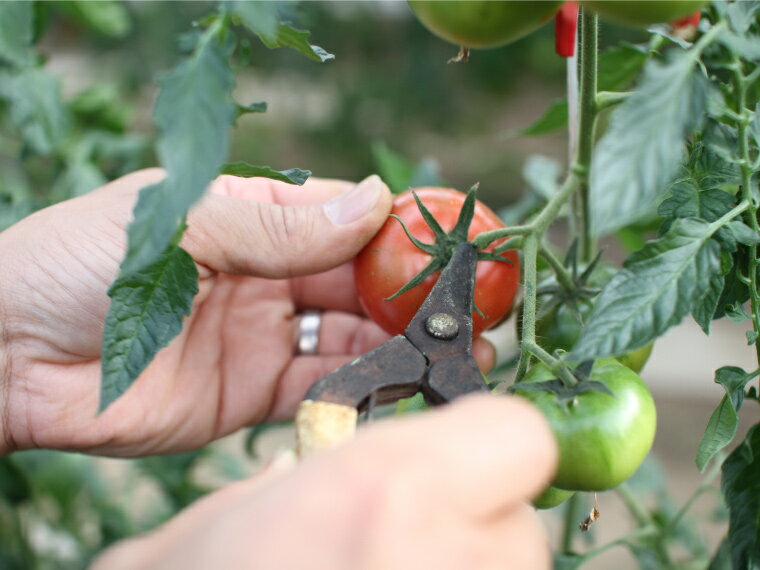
[286, 238]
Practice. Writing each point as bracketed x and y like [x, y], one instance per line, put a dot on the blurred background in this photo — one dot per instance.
[389, 97]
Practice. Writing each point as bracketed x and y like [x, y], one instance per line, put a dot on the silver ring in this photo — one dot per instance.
[308, 333]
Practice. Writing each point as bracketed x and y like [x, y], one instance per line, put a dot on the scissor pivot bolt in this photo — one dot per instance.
[442, 325]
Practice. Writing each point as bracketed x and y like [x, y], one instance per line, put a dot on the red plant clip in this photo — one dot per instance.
[691, 20]
[565, 25]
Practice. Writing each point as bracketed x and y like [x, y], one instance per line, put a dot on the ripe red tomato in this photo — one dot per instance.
[390, 260]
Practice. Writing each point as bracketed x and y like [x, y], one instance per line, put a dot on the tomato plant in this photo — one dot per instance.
[482, 23]
[390, 260]
[602, 436]
[552, 497]
[643, 12]
[560, 317]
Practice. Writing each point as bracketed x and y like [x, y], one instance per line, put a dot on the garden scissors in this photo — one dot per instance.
[433, 356]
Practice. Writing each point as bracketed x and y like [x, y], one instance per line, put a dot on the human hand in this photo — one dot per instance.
[447, 489]
[264, 250]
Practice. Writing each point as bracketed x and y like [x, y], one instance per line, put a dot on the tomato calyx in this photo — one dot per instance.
[445, 242]
[565, 394]
[571, 295]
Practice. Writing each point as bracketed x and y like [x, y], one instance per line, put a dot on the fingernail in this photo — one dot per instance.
[355, 203]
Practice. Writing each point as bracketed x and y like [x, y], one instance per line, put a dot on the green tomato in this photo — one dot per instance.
[559, 328]
[552, 497]
[482, 23]
[641, 13]
[602, 438]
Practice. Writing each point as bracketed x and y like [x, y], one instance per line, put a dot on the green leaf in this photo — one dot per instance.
[16, 33]
[658, 286]
[393, 168]
[704, 310]
[194, 111]
[261, 18]
[291, 176]
[252, 108]
[741, 488]
[619, 65]
[36, 108]
[748, 47]
[720, 431]
[642, 151]
[14, 486]
[147, 310]
[107, 17]
[553, 119]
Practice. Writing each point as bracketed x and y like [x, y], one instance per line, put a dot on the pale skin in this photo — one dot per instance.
[264, 251]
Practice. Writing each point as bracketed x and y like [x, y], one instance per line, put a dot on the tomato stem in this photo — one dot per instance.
[741, 85]
[586, 126]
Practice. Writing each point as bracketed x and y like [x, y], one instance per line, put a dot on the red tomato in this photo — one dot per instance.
[390, 260]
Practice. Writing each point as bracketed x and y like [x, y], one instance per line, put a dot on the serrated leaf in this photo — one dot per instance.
[16, 32]
[752, 337]
[36, 108]
[245, 170]
[657, 287]
[194, 111]
[704, 310]
[741, 15]
[261, 18]
[741, 489]
[743, 233]
[724, 421]
[146, 312]
[747, 46]
[643, 149]
[720, 431]
[554, 118]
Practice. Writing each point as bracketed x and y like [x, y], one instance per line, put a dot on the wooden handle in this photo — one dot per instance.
[323, 425]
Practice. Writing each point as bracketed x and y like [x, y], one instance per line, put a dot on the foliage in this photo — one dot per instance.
[669, 146]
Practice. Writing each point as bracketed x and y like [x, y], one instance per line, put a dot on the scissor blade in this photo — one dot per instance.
[450, 297]
[392, 371]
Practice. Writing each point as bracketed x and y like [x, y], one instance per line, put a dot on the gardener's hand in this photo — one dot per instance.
[264, 251]
[446, 490]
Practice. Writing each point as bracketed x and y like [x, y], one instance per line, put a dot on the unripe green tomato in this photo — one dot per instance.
[483, 23]
[641, 13]
[552, 497]
[602, 438]
[559, 328]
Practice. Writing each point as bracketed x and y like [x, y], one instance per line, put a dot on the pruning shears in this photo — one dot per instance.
[432, 357]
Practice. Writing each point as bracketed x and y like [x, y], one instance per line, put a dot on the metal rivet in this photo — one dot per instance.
[442, 325]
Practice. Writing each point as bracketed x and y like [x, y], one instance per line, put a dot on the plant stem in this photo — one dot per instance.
[573, 508]
[563, 275]
[530, 278]
[740, 87]
[586, 127]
